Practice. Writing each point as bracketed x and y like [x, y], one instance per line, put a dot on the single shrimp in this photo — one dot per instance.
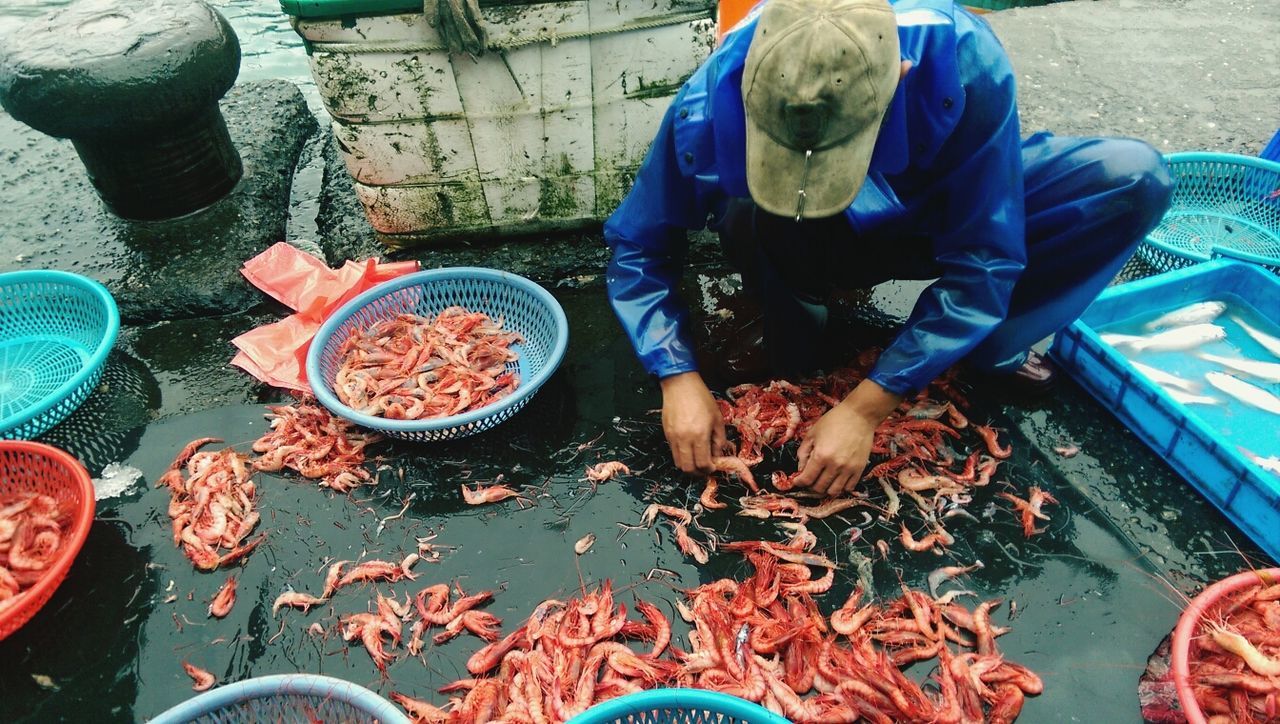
[489, 656]
[296, 599]
[488, 494]
[332, 578]
[982, 626]
[708, 498]
[374, 571]
[224, 599]
[1240, 646]
[829, 507]
[735, 466]
[421, 711]
[689, 546]
[1030, 509]
[661, 626]
[203, 679]
[991, 438]
[937, 577]
[601, 472]
[680, 515]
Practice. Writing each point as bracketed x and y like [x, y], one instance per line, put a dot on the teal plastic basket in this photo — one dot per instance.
[522, 305]
[56, 329]
[678, 706]
[289, 698]
[1223, 205]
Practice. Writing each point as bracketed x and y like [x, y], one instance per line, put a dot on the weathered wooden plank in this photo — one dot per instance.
[411, 152]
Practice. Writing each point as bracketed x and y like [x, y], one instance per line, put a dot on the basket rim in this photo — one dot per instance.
[304, 684]
[644, 701]
[1190, 619]
[1178, 157]
[1187, 157]
[320, 387]
[80, 525]
[96, 360]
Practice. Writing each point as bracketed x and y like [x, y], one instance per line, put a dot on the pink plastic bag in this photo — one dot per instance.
[277, 353]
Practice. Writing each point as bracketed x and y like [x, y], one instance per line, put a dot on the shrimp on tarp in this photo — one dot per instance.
[1030, 509]
[481, 495]
[601, 472]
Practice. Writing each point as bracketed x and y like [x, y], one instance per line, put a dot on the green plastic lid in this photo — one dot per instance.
[339, 8]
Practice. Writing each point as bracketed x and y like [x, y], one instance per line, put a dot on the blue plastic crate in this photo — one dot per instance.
[1248, 495]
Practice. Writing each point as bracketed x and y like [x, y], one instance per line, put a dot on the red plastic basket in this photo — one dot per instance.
[34, 467]
[1189, 627]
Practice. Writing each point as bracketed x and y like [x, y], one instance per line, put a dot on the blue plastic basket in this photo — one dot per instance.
[301, 698]
[1219, 200]
[523, 306]
[56, 329]
[1201, 452]
[678, 706]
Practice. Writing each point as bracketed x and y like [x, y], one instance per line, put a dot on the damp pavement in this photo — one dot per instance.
[1097, 592]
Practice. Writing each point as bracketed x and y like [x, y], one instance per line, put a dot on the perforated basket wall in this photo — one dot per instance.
[31, 467]
[56, 329]
[1220, 200]
[522, 306]
[678, 706]
[289, 698]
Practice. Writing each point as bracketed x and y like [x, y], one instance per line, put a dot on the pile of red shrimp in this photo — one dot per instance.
[31, 530]
[212, 507]
[1235, 661]
[308, 439]
[411, 367]
[761, 639]
[918, 452]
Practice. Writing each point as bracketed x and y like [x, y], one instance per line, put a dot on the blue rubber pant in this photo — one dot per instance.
[1089, 202]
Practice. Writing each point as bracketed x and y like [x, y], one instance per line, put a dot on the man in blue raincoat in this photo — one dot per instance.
[837, 144]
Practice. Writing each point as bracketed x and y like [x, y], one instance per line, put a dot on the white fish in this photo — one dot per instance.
[1268, 371]
[1187, 398]
[1271, 464]
[1165, 379]
[1119, 340]
[1176, 339]
[1245, 392]
[1271, 343]
[1191, 314]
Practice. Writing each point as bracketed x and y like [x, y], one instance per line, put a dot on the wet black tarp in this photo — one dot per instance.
[1095, 593]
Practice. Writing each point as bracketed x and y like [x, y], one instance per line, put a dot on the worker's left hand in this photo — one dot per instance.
[834, 453]
[835, 450]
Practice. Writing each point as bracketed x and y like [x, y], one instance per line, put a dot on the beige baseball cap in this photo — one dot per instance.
[818, 78]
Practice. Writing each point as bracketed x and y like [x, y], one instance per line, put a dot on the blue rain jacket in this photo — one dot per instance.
[946, 163]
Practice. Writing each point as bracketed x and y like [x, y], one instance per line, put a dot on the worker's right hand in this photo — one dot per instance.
[692, 422]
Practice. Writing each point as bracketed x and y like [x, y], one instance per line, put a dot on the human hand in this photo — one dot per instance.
[834, 452]
[692, 422]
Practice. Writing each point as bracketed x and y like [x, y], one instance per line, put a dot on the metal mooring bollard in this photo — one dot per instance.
[135, 85]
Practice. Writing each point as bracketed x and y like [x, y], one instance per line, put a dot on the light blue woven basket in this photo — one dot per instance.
[56, 329]
[287, 698]
[522, 306]
[1222, 201]
[678, 706]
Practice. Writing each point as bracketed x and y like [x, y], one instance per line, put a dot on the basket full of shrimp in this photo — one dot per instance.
[46, 509]
[1226, 651]
[439, 354]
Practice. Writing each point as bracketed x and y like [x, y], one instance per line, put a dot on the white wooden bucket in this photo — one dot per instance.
[543, 132]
